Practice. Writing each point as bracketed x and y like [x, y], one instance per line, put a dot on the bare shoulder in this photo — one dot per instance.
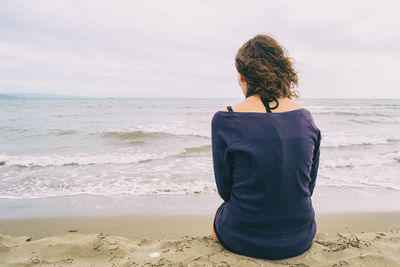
[249, 104]
[292, 104]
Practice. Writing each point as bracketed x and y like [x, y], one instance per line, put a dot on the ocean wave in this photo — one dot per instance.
[125, 156]
[129, 135]
[362, 161]
[179, 128]
[197, 149]
[60, 132]
[377, 121]
[356, 114]
[81, 159]
[341, 140]
[154, 132]
[357, 186]
[387, 105]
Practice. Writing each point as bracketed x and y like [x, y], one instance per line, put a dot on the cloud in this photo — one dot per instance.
[187, 48]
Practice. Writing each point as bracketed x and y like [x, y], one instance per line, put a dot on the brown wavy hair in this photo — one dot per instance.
[267, 69]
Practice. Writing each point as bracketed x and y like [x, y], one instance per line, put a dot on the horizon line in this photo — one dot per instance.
[60, 96]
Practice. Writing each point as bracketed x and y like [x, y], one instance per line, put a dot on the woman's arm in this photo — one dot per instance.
[222, 159]
[315, 164]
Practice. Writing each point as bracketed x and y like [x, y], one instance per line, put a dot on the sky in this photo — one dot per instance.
[340, 49]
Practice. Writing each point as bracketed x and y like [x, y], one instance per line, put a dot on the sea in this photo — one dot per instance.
[145, 147]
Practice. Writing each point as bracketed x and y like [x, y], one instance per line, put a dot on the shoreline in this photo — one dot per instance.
[326, 200]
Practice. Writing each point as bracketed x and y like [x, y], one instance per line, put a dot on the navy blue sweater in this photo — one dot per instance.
[265, 166]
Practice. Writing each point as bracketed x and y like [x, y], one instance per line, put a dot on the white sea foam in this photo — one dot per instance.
[361, 161]
[83, 158]
[104, 186]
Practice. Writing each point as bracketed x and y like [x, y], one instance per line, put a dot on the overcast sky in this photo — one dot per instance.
[187, 48]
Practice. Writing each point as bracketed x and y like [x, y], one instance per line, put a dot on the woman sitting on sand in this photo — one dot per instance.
[265, 154]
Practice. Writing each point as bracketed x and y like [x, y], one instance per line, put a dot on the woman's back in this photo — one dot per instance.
[265, 155]
[265, 167]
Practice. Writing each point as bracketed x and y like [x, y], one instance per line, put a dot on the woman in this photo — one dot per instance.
[265, 155]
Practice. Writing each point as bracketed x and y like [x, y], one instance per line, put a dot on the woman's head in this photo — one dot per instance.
[266, 68]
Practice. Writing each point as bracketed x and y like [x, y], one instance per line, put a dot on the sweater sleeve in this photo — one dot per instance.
[222, 159]
[315, 164]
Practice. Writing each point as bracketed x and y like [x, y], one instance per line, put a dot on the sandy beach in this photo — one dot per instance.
[348, 239]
